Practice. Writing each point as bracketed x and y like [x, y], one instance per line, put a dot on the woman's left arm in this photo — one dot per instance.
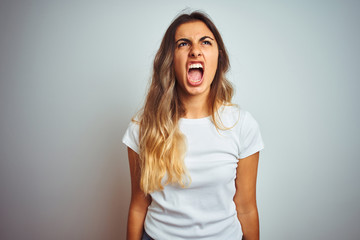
[245, 196]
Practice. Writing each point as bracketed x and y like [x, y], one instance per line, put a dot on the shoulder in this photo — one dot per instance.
[131, 136]
[233, 115]
[245, 128]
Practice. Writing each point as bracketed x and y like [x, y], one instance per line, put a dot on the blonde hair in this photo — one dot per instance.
[162, 145]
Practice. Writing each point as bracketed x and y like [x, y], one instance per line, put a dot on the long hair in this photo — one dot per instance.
[162, 145]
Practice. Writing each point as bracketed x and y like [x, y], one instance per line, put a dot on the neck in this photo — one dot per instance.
[195, 106]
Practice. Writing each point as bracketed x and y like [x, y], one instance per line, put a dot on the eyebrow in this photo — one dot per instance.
[187, 40]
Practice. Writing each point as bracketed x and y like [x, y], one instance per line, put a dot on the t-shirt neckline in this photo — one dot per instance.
[195, 120]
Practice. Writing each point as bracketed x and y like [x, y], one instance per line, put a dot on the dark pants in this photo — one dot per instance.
[146, 236]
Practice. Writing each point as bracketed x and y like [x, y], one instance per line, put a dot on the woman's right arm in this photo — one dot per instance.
[139, 202]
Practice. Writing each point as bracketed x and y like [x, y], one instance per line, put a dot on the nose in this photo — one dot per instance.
[195, 52]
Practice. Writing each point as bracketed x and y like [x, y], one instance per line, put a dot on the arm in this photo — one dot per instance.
[139, 202]
[245, 196]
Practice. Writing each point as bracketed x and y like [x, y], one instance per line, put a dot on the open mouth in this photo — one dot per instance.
[195, 73]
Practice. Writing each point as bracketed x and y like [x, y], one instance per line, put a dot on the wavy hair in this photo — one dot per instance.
[162, 145]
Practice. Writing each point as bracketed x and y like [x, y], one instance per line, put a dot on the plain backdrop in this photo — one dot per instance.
[73, 73]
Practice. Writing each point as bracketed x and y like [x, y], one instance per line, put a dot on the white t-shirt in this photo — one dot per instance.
[205, 209]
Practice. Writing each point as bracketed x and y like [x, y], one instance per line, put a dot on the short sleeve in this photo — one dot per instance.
[131, 137]
[250, 136]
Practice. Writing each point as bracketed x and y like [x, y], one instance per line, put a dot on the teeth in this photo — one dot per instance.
[195, 81]
[195, 65]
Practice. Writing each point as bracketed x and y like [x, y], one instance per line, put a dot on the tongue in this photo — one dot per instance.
[195, 74]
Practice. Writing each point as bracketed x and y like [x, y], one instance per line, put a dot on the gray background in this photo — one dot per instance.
[73, 73]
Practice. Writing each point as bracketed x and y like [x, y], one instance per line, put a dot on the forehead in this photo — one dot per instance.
[196, 30]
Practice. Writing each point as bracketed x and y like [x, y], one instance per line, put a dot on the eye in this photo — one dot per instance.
[183, 44]
[206, 42]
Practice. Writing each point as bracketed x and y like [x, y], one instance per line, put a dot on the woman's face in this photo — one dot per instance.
[195, 59]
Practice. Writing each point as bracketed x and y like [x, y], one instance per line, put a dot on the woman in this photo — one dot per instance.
[193, 155]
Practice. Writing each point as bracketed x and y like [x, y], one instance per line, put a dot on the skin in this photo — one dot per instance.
[195, 42]
[139, 202]
[245, 196]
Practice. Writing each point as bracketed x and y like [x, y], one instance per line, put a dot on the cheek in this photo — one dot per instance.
[213, 62]
[215, 57]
